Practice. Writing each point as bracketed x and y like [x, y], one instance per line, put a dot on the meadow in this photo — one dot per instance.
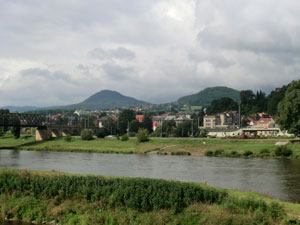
[175, 146]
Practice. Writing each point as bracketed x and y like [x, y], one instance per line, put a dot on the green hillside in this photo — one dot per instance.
[107, 99]
[206, 96]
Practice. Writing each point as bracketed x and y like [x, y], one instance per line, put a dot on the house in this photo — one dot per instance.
[265, 123]
[157, 121]
[139, 118]
[221, 120]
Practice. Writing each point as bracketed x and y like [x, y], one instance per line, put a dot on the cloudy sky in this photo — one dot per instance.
[56, 52]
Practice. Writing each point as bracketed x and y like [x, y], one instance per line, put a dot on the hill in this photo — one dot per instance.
[20, 109]
[206, 96]
[107, 99]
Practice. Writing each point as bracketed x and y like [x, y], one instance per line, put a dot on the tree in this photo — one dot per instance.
[87, 135]
[142, 135]
[183, 129]
[273, 100]
[147, 123]
[247, 99]
[125, 117]
[289, 109]
[222, 105]
[16, 129]
[134, 126]
[168, 127]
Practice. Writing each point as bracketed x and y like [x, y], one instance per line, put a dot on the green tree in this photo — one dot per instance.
[125, 117]
[222, 105]
[142, 135]
[247, 100]
[147, 123]
[289, 109]
[273, 100]
[168, 127]
[134, 126]
[16, 129]
[184, 129]
[87, 135]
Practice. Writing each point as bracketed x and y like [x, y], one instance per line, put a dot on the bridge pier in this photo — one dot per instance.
[42, 134]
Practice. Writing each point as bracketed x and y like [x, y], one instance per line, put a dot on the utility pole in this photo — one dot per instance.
[161, 129]
[240, 115]
[128, 128]
[192, 128]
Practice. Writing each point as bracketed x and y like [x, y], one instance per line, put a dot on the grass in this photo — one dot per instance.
[175, 146]
[237, 208]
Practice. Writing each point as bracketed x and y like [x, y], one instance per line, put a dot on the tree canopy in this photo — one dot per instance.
[222, 105]
[289, 109]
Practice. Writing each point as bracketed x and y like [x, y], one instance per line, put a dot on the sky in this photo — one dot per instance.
[59, 52]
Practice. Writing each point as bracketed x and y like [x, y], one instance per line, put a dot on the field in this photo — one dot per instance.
[63, 198]
[176, 146]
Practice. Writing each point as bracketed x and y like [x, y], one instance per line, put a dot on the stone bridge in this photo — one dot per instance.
[52, 131]
[46, 132]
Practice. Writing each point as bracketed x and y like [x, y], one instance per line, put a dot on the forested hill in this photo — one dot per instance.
[107, 99]
[206, 96]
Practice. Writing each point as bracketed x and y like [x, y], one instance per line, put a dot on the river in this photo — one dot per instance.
[279, 178]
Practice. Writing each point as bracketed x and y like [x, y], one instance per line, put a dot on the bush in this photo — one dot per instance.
[68, 138]
[283, 151]
[142, 135]
[247, 153]
[124, 137]
[209, 153]
[264, 151]
[218, 152]
[87, 135]
[100, 134]
[202, 133]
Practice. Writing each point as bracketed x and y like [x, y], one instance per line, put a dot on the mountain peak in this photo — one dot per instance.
[107, 99]
[206, 96]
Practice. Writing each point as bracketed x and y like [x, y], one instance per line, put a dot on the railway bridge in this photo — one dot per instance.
[44, 130]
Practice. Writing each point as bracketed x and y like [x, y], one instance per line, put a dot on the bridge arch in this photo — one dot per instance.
[65, 132]
[55, 133]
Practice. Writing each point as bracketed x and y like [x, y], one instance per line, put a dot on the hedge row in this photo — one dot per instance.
[138, 193]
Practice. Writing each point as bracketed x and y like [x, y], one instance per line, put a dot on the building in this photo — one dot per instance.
[139, 118]
[221, 120]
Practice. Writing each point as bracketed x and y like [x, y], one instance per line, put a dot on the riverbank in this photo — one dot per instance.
[175, 146]
[75, 199]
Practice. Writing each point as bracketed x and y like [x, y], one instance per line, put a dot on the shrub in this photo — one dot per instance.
[100, 134]
[142, 135]
[283, 151]
[247, 153]
[124, 137]
[264, 151]
[234, 153]
[68, 138]
[209, 153]
[202, 133]
[1, 133]
[87, 135]
[218, 152]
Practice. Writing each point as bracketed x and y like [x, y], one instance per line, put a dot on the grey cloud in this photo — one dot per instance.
[158, 49]
[119, 53]
[116, 72]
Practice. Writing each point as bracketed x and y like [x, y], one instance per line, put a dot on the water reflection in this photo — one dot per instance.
[279, 178]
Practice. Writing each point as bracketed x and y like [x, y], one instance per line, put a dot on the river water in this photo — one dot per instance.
[279, 178]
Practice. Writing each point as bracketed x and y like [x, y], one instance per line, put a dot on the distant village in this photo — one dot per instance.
[225, 124]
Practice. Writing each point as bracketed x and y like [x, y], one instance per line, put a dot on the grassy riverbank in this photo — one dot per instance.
[176, 146]
[77, 199]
